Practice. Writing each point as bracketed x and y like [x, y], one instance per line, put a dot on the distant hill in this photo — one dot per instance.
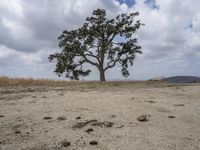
[158, 78]
[182, 79]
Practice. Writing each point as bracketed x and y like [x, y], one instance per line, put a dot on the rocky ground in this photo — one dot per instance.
[118, 117]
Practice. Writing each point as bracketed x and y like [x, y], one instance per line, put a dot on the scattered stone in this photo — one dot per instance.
[143, 118]
[3, 142]
[109, 124]
[44, 97]
[61, 94]
[17, 132]
[164, 110]
[179, 105]
[34, 96]
[61, 118]
[1, 116]
[89, 130]
[93, 143]
[113, 116]
[65, 143]
[98, 124]
[171, 117]
[133, 98]
[78, 117]
[101, 124]
[47, 118]
[119, 127]
[187, 138]
[150, 101]
[27, 132]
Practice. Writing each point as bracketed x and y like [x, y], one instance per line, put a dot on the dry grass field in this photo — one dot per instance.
[59, 115]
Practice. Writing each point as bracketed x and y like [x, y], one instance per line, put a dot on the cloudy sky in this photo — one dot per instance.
[170, 39]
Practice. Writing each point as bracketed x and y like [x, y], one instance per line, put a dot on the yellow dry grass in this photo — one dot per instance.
[6, 81]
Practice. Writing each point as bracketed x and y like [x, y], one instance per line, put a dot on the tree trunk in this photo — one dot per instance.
[102, 75]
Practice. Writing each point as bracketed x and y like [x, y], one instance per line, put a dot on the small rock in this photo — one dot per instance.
[65, 143]
[27, 132]
[171, 117]
[78, 117]
[44, 97]
[3, 142]
[179, 105]
[109, 124]
[143, 118]
[34, 97]
[1, 116]
[133, 98]
[121, 126]
[61, 118]
[61, 94]
[47, 118]
[150, 101]
[93, 143]
[17, 132]
[89, 130]
[113, 116]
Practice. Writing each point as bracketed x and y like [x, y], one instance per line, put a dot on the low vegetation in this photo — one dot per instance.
[6, 81]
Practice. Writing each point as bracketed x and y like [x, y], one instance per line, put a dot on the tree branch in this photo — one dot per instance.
[109, 65]
[89, 61]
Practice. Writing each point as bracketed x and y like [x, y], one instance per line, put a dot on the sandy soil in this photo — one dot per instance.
[45, 118]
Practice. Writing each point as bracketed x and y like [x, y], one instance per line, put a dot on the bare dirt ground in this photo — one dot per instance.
[100, 117]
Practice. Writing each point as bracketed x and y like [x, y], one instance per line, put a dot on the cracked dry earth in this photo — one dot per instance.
[45, 118]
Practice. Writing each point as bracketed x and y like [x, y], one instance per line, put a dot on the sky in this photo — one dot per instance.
[170, 39]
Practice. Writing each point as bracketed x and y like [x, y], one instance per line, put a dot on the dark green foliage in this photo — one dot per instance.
[94, 43]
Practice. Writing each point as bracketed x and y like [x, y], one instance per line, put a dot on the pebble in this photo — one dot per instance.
[65, 143]
[62, 118]
[89, 130]
[171, 117]
[179, 105]
[17, 132]
[1, 116]
[78, 117]
[93, 143]
[143, 118]
[47, 118]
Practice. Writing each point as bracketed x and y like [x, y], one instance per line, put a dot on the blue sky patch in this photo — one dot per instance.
[152, 4]
[130, 3]
[189, 25]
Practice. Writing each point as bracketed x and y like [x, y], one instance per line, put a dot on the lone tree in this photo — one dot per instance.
[100, 42]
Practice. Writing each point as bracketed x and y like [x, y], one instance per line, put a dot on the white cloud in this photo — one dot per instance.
[29, 31]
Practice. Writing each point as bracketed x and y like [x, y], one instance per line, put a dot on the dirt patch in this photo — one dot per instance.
[80, 125]
[22, 90]
[103, 113]
[94, 123]
[107, 124]
[13, 97]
